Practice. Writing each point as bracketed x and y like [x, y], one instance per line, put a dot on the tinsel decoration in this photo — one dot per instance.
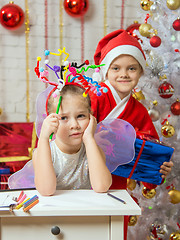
[82, 38]
[122, 15]
[156, 64]
[46, 24]
[105, 17]
[61, 28]
[46, 29]
[27, 59]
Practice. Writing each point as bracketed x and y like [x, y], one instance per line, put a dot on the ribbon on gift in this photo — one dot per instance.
[137, 159]
[144, 135]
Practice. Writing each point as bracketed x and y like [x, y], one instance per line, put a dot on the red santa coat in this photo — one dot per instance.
[134, 113]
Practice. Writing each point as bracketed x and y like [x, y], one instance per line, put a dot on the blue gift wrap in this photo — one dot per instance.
[148, 166]
[4, 171]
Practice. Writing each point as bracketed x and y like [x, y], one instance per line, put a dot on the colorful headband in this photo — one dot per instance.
[74, 74]
[74, 77]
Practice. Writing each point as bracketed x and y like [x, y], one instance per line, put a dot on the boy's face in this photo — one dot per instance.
[74, 120]
[123, 74]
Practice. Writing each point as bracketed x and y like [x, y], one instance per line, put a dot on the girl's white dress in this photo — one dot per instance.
[71, 169]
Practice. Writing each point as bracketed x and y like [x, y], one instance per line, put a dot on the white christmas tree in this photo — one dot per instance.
[159, 91]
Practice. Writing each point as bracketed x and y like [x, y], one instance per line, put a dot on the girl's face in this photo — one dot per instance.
[123, 74]
[75, 117]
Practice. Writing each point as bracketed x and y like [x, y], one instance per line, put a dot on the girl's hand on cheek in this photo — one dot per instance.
[50, 125]
[91, 128]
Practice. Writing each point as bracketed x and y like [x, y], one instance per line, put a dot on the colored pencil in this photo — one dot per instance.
[20, 195]
[31, 205]
[21, 204]
[109, 194]
[31, 200]
[22, 198]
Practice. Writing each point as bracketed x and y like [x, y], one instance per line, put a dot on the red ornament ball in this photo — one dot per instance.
[166, 90]
[76, 8]
[175, 108]
[176, 24]
[155, 41]
[11, 16]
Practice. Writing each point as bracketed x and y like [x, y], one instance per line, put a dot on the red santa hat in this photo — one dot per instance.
[117, 43]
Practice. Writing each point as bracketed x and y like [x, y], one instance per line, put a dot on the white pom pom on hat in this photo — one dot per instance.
[117, 43]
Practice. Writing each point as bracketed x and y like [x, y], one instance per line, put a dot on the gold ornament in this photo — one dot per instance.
[1, 111]
[27, 29]
[167, 130]
[145, 5]
[144, 29]
[132, 220]
[173, 4]
[131, 184]
[105, 17]
[148, 193]
[174, 236]
[174, 196]
[61, 10]
[138, 95]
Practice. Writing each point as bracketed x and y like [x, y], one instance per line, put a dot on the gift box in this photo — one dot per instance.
[129, 156]
[4, 175]
[17, 141]
[149, 156]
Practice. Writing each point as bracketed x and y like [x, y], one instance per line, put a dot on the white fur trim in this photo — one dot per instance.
[123, 49]
[121, 104]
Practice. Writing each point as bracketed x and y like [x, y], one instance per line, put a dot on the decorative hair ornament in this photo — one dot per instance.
[67, 74]
[86, 82]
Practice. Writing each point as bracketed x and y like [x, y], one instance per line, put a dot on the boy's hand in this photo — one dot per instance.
[50, 125]
[91, 128]
[166, 168]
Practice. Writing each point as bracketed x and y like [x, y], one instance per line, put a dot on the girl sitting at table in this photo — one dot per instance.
[73, 160]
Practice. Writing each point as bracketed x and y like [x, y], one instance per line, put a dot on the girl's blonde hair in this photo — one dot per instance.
[72, 90]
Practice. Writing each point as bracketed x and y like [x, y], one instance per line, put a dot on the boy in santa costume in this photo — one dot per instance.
[124, 62]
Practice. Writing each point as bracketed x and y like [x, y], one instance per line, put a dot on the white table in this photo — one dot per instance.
[78, 214]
